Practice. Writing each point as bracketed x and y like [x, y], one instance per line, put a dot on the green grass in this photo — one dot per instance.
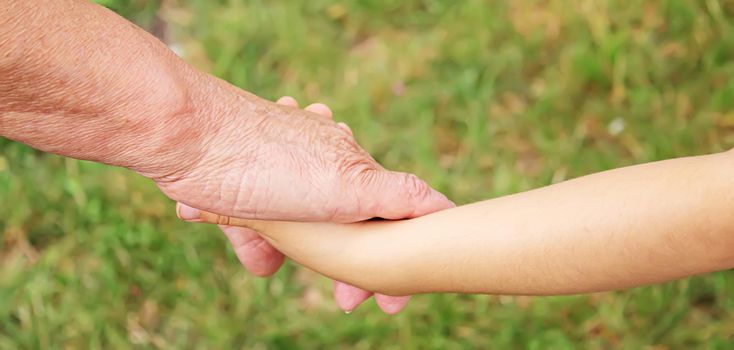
[480, 98]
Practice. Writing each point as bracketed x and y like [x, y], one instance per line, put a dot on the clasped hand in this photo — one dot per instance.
[299, 165]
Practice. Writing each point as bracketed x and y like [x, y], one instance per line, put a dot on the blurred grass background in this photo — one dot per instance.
[480, 98]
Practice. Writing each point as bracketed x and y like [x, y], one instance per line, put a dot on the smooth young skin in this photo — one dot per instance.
[80, 81]
[615, 229]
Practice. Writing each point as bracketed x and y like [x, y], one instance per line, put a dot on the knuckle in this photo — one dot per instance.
[368, 177]
[357, 170]
[414, 186]
[351, 160]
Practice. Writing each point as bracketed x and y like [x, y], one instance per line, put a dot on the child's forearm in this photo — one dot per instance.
[621, 228]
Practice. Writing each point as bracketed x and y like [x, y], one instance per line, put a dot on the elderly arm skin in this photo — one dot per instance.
[78, 80]
[626, 227]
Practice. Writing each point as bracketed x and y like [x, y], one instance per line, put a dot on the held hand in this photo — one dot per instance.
[307, 169]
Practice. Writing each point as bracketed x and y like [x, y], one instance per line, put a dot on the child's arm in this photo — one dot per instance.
[620, 228]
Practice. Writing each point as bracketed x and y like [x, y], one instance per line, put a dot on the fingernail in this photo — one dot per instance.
[391, 305]
[347, 297]
[391, 309]
[348, 305]
[345, 127]
[187, 213]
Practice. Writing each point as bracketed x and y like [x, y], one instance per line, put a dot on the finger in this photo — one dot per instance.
[190, 214]
[320, 109]
[345, 127]
[390, 304]
[349, 297]
[187, 213]
[395, 195]
[256, 254]
[287, 101]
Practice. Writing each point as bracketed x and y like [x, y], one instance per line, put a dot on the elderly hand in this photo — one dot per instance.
[79, 81]
[298, 165]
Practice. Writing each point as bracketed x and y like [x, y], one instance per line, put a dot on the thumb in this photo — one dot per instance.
[395, 195]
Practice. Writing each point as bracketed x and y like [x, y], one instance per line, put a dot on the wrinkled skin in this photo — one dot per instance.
[303, 167]
[80, 81]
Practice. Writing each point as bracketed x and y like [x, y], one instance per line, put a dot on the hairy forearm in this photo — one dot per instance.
[621, 228]
[80, 81]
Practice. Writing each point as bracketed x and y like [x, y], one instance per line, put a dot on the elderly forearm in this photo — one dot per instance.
[626, 227]
[80, 81]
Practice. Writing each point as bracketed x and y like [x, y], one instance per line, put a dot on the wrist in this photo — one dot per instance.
[116, 96]
[198, 121]
[177, 131]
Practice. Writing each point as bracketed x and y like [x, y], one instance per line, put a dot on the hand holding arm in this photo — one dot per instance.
[616, 229]
[80, 81]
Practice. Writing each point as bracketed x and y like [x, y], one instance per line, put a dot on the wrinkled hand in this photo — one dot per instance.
[298, 166]
[79, 81]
